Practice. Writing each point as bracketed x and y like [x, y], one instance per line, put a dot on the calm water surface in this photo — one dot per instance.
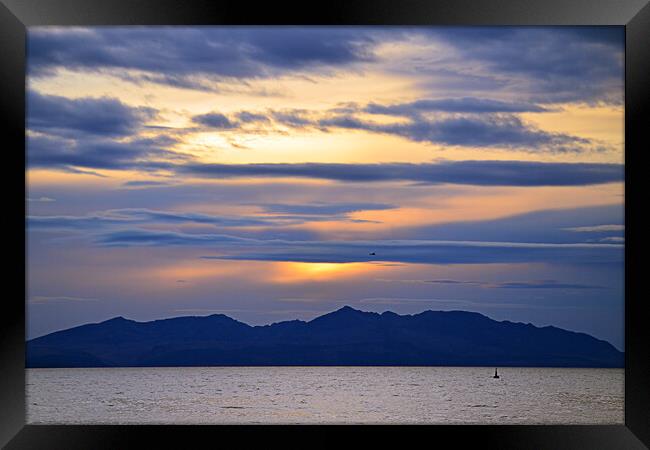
[213, 395]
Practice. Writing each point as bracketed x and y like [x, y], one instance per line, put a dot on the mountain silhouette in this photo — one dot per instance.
[346, 337]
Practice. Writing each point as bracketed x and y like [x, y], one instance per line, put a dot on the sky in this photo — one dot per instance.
[278, 173]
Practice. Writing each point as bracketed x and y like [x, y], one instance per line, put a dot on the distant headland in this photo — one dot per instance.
[345, 337]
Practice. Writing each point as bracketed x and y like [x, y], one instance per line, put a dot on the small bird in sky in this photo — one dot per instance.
[372, 254]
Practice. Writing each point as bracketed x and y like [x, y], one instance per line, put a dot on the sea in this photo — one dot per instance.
[324, 395]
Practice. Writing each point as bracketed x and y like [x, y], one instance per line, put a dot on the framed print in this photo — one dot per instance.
[361, 213]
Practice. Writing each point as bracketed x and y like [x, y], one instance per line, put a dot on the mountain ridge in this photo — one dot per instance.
[346, 336]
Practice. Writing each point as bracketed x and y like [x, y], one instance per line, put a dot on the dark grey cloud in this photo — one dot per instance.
[91, 133]
[167, 217]
[146, 183]
[41, 199]
[279, 215]
[507, 131]
[404, 251]
[185, 217]
[131, 216]
[448, 282]
[612, 239]
[214, 120]
[550, 226]
[474, 122]
[544, 284]
[540, 284]
[423, 251]
[611, 36]
[482, 123]
[324, 208]
[54, 152]
[538, 64]
[42, 299]
[545, 64]
[598, 228]
[477, 173]
[153, 154]
[235, 121]
[453, 105]
[89, 116]
[295, 118]
[71, 222]
[140, 237]
[181, 56]
[249, 117]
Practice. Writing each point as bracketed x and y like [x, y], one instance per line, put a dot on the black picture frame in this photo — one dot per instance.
[16, 15]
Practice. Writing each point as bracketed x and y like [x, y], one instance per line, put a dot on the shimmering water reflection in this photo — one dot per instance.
[213, 395]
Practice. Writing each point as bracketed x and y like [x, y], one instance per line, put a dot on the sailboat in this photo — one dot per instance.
[496, 375]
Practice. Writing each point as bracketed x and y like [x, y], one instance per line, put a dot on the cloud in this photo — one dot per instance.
[42, 299]
[545, 284]
[40, 199]
[541, 284]
[541, 64]
[214, 120]
[87, 116]
[328, 209]
[470, 122]
[477, 173]
[533, 64]
[55, 152]
[467, 305]
[129, 216]
[94, 133]
[236, 121]
[548, 226]
[279, 215]
[295, 118]
[139, 237]
[231, 247]
[485, 131]
[189, 56]
[430, 252]
[453, 105]
[597, 228]
[615, 239]
[467, 122]
[418, 251]
[183, 217]
[249, 117]
[146, 183]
